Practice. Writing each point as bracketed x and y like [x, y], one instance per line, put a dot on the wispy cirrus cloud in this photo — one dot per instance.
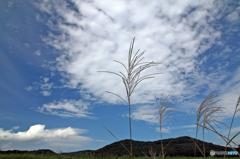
[168, 129]
[67, 108]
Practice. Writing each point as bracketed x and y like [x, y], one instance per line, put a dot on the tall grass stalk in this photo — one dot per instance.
[195, 144]
[152, 154]
[223, 137]
[116, 138]
[163, 116]
[131, 80]
[206, 109]
[236, 110]
[202, 109]
[226, 139]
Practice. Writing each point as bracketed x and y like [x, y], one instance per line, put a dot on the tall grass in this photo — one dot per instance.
[116, 138]
[131, 80]
[163, 111]
[207, 109]
[236, 110]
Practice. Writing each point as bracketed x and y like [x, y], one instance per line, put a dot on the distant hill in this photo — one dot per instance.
[181, 146]
[40, 151]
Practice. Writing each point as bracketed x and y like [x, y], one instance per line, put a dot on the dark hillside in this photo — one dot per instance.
[39, 152]
[181, 146]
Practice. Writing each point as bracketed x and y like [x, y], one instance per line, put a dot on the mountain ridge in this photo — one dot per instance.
[180, 146]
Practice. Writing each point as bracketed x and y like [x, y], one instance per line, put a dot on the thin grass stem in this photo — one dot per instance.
[131, 80]
[162, 118]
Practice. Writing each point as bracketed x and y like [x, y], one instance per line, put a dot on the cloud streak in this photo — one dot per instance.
[67, 108]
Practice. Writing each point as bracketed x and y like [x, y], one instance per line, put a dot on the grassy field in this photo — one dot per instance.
[60, 156]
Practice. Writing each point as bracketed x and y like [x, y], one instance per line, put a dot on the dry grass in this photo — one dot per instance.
[152, 154]
[236, 110]
[207, 109]
[131, 80]
[229, 141]
[163, 111]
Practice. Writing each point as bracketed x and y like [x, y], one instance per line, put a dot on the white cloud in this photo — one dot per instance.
[98, 49]
[175, 33]
[38, 52]
[52, 74]
[67, 108]
[138, 114]
[229, 94]
[44, 86]
[10, 3]
[66, 137]
[150, 113]
[26, 45]
[15, 127]
[232, 17]
[46, 93]
[29, 88]
[224, 53]
[166, 130]
[185, 126]
[45, 79]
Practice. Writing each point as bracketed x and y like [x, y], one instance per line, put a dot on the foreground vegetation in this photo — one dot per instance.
[61, 156]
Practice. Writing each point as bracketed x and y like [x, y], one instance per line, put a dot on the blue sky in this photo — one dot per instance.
[51, 95]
